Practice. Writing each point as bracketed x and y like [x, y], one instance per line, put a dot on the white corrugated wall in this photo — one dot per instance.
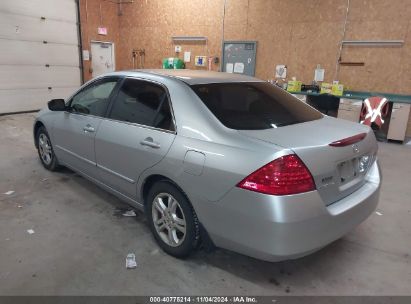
[39, 53]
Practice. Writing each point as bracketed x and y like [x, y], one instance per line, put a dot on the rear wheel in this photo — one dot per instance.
[172, 220]
[45, 150]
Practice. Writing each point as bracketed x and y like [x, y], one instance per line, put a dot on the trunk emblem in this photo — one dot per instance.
[355, 148]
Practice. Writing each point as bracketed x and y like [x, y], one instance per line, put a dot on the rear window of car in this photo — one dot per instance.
[254, 105]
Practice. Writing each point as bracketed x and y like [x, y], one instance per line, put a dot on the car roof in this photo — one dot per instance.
[193, 77]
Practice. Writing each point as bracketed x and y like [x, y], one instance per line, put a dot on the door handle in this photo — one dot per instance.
[149, 142]
[88, 129]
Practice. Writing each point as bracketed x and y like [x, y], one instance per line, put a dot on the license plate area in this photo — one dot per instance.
[347, 170]
[351, 169]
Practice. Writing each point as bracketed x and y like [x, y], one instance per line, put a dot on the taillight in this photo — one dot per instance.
[283, 176]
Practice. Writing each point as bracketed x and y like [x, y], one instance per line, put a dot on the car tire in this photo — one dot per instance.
[172, 220]
[45, 150]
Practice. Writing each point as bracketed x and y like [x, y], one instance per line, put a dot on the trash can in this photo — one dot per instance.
[173, 63]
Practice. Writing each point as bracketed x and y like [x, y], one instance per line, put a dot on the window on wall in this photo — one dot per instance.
[144, 103]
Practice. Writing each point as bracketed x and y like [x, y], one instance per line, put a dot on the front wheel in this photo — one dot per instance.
[45, 150]
[172, 220]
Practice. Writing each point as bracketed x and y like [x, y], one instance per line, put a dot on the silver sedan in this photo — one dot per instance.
[215, 158]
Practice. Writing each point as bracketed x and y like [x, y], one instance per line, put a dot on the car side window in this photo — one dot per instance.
[144, 103]
[94, 100]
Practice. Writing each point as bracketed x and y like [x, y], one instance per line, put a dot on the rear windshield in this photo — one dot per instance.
[253, 105]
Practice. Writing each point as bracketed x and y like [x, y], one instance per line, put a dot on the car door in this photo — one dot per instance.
[74, 131]
[136, 135]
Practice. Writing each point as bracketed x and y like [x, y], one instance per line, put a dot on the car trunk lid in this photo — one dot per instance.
[338, 153]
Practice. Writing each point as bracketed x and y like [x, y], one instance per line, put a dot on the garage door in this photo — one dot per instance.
[39, 53]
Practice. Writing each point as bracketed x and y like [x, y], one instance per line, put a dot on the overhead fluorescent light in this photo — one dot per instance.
[189, 38]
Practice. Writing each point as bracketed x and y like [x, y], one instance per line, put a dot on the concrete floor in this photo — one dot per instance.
[79, 245]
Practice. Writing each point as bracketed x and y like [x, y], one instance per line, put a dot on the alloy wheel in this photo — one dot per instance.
[169, 220]
[45, 150]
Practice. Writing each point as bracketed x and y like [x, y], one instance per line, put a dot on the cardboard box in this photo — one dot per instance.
[326, 88]
[294, 86]
[337, 89]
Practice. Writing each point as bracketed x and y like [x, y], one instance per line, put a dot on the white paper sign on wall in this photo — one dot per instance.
[187, 56]
[239, 67]
[102, 30]
[319, 74]
[200, 61]
[281, 71]
[229, 67]
[86, 55]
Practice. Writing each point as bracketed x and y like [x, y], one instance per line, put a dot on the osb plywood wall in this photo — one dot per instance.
[91, 17]
[297, 33]
[149, 25]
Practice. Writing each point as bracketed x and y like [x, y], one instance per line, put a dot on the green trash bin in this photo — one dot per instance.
[173, 63]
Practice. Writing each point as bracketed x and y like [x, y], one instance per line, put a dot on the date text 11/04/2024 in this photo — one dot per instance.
[203, 299]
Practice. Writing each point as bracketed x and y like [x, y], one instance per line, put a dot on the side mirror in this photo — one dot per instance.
[57, 105]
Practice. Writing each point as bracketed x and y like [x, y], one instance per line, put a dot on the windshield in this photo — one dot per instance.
[253, 105]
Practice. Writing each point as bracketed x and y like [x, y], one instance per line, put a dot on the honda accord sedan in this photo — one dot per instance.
[217, 158]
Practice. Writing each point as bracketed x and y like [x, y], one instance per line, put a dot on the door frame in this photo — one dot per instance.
[113, 53]
[223, 63]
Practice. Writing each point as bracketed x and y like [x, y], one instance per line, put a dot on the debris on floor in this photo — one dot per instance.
[9, 192]
[129, 213]
[274, 281]
[44, 179]
[126, 212]
[154, 252]
[30, 231]
[19, 206]
[378, 212]
[287, 289]
[131, 261]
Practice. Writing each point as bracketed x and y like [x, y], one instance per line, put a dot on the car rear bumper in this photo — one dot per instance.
[276, 228]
